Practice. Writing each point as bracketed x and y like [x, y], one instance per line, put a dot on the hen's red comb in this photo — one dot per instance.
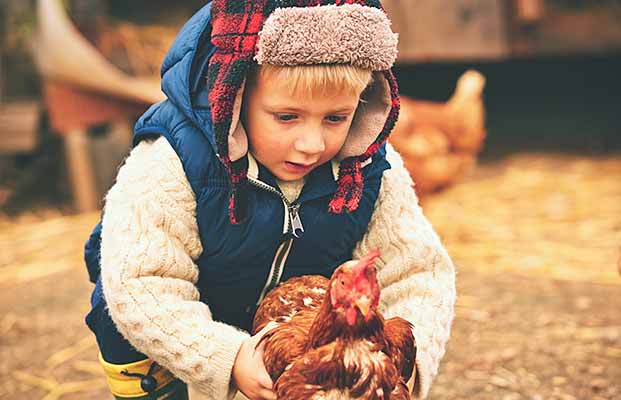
[367, 260]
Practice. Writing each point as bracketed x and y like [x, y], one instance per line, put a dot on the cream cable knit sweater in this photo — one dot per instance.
[150, 241]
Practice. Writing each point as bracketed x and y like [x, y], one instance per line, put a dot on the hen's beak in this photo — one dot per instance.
[364, 304]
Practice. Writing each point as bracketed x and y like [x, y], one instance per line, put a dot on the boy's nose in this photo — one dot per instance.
[310, 142]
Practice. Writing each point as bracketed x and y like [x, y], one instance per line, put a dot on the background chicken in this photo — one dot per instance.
[439, 142]
[331, 341]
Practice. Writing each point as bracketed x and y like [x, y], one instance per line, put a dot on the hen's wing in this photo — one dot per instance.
[310, 374]
[295, 295]
[338, 370]
[286, 343]
[401, 345]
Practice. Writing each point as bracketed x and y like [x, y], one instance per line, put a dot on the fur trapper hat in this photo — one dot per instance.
[301, 32]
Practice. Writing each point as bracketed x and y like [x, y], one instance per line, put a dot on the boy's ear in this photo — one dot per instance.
[238, 139]
[370, 118]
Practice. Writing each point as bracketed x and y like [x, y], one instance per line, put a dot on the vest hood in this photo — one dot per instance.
[184, 71]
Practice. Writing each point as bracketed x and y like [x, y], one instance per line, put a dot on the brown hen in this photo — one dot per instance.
[331, 341]
[439, 142]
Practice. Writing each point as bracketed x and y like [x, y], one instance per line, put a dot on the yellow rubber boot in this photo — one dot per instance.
[143, 380]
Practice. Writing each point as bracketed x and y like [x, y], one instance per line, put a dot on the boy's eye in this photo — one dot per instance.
[336, 118]
[286, 117]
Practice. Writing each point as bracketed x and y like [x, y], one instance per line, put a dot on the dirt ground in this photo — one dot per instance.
[535, 242]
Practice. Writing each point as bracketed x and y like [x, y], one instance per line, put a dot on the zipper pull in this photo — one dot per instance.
[296, 221]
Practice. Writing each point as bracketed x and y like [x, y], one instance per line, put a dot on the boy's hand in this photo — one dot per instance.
[249, 373]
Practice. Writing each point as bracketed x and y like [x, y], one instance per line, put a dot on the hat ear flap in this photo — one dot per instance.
[384, 103]
[238, 196]
[225, 96]
[235, 29]
[370, 118]
[237, 138]
[350, 187]
[238, 157]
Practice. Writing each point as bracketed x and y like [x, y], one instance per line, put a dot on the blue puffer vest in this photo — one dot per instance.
[279, 240]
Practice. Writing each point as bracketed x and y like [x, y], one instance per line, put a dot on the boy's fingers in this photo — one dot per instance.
[263, 377]
[267, 394]
[265, 380]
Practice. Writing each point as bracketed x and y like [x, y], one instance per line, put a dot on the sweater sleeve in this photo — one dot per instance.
[150, 242]
[415, 273]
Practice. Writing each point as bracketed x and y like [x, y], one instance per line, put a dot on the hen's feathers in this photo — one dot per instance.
[286, 342]
[339, 370]
[295, 295]
[401, 345]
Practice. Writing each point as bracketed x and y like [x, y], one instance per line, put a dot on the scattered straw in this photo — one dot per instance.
[70, 352]
[35, 246]
[543, 215]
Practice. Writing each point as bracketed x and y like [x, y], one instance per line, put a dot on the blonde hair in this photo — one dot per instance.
[316, 80]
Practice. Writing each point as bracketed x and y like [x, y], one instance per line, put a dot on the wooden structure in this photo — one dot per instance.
[19, 123]
[19, 120]
[431, 30]
[83, 89]
[449, 30]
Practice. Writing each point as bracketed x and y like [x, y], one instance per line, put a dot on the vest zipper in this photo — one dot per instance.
[276, 271]
[291, 226]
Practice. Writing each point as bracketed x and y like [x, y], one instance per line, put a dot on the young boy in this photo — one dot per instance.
[267, 161]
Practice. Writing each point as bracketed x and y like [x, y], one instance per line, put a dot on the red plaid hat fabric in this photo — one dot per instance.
[235, 33]
[235, 29]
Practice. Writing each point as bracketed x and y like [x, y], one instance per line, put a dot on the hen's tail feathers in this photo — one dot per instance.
[400, 392]
[469, 86]
[467, 112]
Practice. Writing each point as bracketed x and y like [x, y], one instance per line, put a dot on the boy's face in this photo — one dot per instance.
[291, 134]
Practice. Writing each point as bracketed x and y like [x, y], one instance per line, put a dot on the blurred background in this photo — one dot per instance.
[510, 127]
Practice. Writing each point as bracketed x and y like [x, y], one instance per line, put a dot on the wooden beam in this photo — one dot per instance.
[80, 168]
[449, 30]
[530, 11]
[19, 123]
